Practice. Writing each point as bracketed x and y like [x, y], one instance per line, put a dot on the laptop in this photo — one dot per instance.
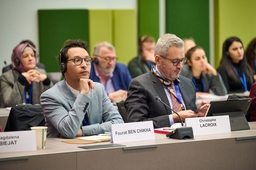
[235, 109]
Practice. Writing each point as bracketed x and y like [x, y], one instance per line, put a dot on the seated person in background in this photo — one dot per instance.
[235, 72]
[252, 108]
[164, 82]
[9, 67]
[145, 60]
[188, 43]
[250, 54]
[114, 76]
[77, 106]
[202, 74]
[25, 83]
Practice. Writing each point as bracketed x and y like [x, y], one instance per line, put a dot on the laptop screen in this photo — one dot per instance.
[229, 106]
[235, 109]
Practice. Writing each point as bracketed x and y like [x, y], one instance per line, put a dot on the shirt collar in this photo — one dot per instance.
[73, 91]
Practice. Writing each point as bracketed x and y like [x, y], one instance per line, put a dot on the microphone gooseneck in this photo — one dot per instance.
[158, 99]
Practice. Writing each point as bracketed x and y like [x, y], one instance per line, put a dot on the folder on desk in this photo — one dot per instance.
[88, 139]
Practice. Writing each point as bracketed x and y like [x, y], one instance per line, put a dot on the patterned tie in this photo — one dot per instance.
[175, 104]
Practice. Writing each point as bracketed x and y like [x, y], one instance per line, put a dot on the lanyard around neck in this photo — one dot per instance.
[201, 81]
[28, 96]
[242, 79]
[176, 94]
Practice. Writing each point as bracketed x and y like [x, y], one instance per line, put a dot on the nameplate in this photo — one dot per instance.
[131, 132]
[209, 125]
[18, 141]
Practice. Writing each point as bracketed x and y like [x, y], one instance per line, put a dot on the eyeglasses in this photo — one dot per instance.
[108, 59]
[78, 61]
[176, 62]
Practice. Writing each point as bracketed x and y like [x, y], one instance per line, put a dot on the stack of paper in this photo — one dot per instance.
[89, 139]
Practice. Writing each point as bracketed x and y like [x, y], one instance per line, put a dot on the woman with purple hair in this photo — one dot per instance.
[25, 82]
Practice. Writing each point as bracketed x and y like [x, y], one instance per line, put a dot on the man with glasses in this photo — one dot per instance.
[77, 106]
[114, 76]
[164, 84]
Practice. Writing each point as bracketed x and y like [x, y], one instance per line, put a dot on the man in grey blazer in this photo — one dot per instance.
[77, 106]
[163, 82]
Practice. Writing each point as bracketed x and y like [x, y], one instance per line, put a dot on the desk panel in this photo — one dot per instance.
[61, 161]
[211, 155]
[235, 150]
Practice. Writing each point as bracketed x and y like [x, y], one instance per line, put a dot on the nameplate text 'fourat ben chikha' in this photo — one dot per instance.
[209, 125]
[130, 132]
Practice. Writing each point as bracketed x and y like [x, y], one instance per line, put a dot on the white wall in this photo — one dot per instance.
[18, 19]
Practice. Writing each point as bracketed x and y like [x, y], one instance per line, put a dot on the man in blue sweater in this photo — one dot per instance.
[114, 76]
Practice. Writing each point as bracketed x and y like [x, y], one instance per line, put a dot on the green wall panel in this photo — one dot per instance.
[187, 19]
[234, 18]
[148, 18]
[124, 34]
[100, 26]
[56, 26]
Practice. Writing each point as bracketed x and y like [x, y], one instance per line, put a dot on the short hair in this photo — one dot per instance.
[70, 44]
[165, 42]
[97, 47]
[143, 39]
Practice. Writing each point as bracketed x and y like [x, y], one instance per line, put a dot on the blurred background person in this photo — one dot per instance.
[188, 43]
[25, 82]
[39, 65]
[145, 60]
[250, 53]
[114, 76]
[202, 74]
[236, 73]
[251, 114]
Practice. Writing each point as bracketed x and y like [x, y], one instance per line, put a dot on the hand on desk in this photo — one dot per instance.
[118, 96]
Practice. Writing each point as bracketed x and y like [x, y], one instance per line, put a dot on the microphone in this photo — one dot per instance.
[160, 100]
[178, 133]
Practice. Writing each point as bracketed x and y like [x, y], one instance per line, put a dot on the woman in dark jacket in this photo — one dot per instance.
[25, 82]
[236, 73]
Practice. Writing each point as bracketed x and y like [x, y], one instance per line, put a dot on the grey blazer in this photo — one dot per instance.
[141, 102]
[13, 91]
[64, 113]
[211, 82]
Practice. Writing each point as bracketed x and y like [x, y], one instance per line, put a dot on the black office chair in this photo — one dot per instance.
[122, 111]
[24, 116]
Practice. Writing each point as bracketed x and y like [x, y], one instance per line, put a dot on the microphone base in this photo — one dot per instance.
[181, 133]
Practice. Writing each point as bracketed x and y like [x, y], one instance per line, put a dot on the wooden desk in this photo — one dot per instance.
[3, 117]
[235, 150]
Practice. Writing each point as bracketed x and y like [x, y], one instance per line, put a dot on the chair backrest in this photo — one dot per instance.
[55, 76]
[122, 111]
[22, 117]
[252, 109]
[1, 96]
